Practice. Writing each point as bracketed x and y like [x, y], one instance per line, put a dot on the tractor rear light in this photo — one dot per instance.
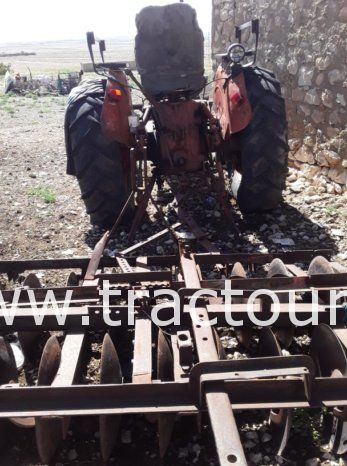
[115, 94]
[236, 98]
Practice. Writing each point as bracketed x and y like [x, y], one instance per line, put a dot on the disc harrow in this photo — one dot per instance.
[177, 363]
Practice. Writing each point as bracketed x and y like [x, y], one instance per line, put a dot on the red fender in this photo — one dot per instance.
[230, 103]
[116, 110]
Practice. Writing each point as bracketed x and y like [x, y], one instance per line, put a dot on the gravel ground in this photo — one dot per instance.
[42, 216]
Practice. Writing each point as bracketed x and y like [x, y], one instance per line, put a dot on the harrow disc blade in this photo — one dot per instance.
[32, 281]
[281, 422]
[165, 373]
[330, 357]
[23, 422]
[8, 373]
[50, 361]
[27, 339]
[280, 419]
[166, 424]
[285, 335]
[110, 373]
[164, 359]
[278, 269]
[243, 335]
[328, 352]
[238, 271]
[48, 433]
[48, 430]
[320, 265]
[8, 368]
[219, 346]
[72, 280]
[268, 343]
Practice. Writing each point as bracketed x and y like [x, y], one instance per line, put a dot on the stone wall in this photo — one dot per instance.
[304, 42]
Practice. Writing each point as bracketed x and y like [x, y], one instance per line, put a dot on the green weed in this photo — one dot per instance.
[10, 110]
[44, 193]
[332, 210]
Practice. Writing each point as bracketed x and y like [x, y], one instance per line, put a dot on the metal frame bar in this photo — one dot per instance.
[217, 386]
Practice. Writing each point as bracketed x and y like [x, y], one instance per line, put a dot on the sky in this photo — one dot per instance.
[43, 20]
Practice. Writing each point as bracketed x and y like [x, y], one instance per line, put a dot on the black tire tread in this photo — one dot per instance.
[96, 163]
[264, 144]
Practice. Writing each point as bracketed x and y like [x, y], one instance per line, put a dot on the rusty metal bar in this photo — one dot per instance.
[85, 400]
[295, 270]
[20, 266]
[151, 239]
[39, 294]
[70, 359]
[142, 360]
[73, 320]
[96, 257]
[24, 319]
[226, 435]
[133, 277]
[281, 283]
[178, 371]
[261, 258]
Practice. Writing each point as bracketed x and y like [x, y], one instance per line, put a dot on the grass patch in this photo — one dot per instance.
[4, 68]
[44, 193]
[32, 96]
[7, 96]
[332, 210]
[6, 106]
[10, 110]
[308, 425]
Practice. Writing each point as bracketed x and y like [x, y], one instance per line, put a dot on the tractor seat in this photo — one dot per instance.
[169, 49]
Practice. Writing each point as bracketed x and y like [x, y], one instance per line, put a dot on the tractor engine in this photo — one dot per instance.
[182, 136]
[170, 60]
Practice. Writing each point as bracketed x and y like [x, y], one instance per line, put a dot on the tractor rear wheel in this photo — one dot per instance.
[262, 146]
[96, 163]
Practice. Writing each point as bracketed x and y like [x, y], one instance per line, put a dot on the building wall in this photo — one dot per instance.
[304, 42]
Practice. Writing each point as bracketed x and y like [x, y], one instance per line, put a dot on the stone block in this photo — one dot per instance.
[305, 155]
[322, 63]
[343, 15]
[298, 94]
[312, 97]
[305, 76]
[335, 76]
[317, 117]
[328, 98]
[338, 175]
[321, 160]
[293, 66]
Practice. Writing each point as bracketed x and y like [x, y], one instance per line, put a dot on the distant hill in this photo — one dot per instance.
[16, 54]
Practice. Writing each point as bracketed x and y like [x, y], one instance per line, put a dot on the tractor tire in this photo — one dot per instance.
[262, 145]
[96, 163]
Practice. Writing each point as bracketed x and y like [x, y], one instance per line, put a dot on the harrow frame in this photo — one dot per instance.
[201, 380]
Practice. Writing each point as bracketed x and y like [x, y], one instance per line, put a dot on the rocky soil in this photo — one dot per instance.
[304, 43]
[42, 216]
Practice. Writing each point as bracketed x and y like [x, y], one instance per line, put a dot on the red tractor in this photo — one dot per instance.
[242, 130]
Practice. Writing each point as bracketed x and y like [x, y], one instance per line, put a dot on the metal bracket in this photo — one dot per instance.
[250, 369]
[185, 348]
[254, 25]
